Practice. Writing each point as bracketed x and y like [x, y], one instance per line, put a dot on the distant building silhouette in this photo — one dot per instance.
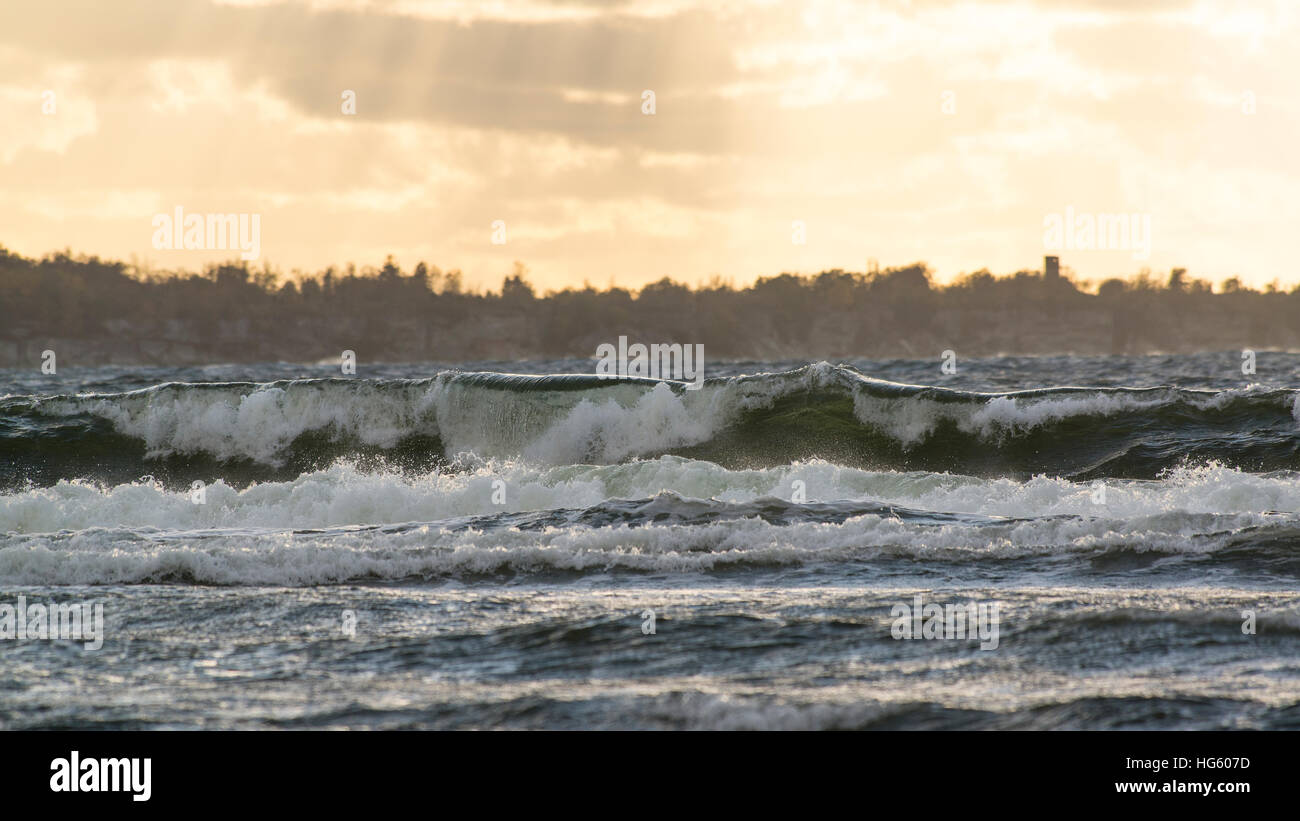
[1051, 268]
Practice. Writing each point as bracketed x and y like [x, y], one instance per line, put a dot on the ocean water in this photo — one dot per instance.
[520, 545]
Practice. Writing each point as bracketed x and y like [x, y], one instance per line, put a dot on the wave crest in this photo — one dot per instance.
[819, 411]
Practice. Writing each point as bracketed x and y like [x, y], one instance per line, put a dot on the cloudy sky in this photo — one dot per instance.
[948, 132]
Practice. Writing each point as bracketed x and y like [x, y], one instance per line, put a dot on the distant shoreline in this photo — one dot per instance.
[91, 312]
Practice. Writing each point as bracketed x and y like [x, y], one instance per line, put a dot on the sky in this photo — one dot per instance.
[797, 136]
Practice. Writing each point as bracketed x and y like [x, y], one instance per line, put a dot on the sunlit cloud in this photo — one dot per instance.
[935, 131]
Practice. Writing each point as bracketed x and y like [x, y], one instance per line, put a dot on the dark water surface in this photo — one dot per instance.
[458, 547]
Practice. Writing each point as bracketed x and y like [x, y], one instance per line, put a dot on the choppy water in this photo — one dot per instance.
[427, 546]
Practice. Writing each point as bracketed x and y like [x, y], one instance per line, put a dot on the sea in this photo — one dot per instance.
[1064, 542]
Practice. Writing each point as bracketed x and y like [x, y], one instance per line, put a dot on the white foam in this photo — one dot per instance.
[74, 533]
[344, 495]
[284, 558]
[558, 426]
[608, 432]
[256, 422]
[911, 420]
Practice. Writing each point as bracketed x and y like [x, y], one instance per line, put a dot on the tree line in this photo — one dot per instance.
[108, 311]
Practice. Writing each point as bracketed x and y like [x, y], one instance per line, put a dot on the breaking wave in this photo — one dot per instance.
[245, 432]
